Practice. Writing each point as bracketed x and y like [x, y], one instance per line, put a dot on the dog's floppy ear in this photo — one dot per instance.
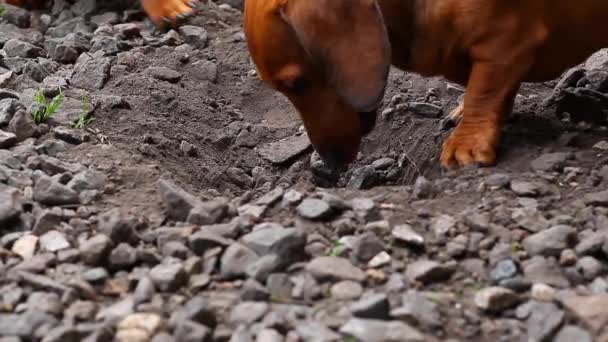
[348, 39]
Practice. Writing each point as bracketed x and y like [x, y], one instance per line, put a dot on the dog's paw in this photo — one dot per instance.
[470, 145]
[168, 12]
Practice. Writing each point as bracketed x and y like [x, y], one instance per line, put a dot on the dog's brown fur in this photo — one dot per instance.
[331, 58]
[161, 12]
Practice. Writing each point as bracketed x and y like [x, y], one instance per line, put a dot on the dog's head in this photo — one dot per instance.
[331, 58]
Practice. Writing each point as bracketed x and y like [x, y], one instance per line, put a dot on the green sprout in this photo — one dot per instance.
[85, 117]
[46, 109]
[336, 249]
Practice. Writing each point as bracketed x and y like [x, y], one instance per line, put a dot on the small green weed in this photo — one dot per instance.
[336, 250]
[46, 109]
[2, 10]
[85, 117]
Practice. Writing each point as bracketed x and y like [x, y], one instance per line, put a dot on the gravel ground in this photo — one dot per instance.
[192, 207]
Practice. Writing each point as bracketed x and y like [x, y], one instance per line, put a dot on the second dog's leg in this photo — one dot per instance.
[489, 97]
[167, 10]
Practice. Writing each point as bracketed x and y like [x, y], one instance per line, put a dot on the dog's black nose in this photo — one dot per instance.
[368, 121]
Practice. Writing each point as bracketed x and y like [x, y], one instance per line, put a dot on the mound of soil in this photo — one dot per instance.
[188, 209]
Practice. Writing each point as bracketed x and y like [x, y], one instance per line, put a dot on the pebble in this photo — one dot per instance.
[346, 290]
[123, 256]
[248, 312]
[495, 299]
[528, 189]
[236, 260]
[544, 320]
[542, 292]
[371, 330]
[418, 310]
[286, 243]
[366, 246]
[550, 242]
[315, 331]
[504, 269]
[573, 333]
[25, 246]
[328, 268]
[314, 209]
[550, 161]
[53, 241]
[591, 311]
[7, 139]
[137, 325]
[406, 233]
[375, 306]
[381, 259]
[599, 199]
[189, 331]
[168, 277]
[428, 271]
[94, 250]
[423, 188]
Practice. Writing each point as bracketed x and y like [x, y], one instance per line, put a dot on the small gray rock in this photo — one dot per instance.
[423, 188]
[417, 310]
[248, 312]
[550, 242]
[330, 268]
[544, 320]
[370, 330]
[168, 277]
[198, 309]
[427, 271]
[91, 74]
[504, 269]
[87, 180]
[599, 199]
[287, 243]
[346, 290]
[366, 246]
[211, 212]
[550, 161]
[53, 241]
[49, 191]
[7, 139]
[123, 256]
[194, 35]
[314, 209]
[529, 189]
[178, 202]
[571, 333]
[96, 249]
[590, 268]
[285, 150]
[10, 205]
[164, 74]
[18, 48]
[374, 306]
[22, 125]
[406, 233]
[495, 299]
[118, 225]
[236, 260]
[189, 331]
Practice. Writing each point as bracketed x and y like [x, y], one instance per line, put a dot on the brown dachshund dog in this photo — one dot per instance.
[331, 59]
[161, 12]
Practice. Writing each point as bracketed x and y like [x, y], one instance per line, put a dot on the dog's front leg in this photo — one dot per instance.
[488, 100]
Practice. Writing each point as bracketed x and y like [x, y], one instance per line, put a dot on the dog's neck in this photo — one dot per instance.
[400, 20]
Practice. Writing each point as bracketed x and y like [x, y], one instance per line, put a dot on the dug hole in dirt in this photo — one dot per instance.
[189, 208]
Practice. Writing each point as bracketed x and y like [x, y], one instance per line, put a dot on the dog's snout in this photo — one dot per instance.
[368, 121]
